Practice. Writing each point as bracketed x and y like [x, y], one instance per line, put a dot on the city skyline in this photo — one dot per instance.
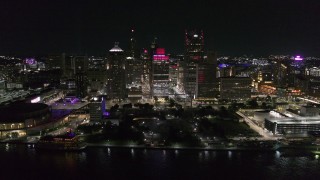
[160, 90]
[230, 28]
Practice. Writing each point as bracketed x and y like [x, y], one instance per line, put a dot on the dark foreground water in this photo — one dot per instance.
[21, 162]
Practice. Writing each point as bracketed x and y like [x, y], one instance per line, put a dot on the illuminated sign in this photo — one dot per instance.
[30, 61]
[223, 65]
[160, 51]
[35, 100]
[160, 55]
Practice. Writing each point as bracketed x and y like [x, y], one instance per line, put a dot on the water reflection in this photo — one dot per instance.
[7, 147]
[70, 158]
[278, 154]
[206, 155]
[214, 154]
[200, 155]
[164, 156]
[154, 164]
[82, 157]
[229, 154]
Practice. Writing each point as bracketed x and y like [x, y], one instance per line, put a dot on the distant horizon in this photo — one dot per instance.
[39, 55]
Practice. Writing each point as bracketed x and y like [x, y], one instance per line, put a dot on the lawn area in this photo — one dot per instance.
[226, 128]
[231, 128]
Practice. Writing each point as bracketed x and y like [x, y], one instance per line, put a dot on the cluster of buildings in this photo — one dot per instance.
[154, 74]
[147, 73]
[119, 74]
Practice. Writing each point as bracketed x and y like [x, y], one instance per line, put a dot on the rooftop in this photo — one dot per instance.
[116, 48]
[295, 120]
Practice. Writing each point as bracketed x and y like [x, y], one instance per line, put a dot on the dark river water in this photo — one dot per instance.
[21, 162]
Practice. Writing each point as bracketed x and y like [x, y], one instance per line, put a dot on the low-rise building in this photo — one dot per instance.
[292, 125]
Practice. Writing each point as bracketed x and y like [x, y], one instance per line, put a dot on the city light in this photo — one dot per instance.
[238, 98]
[30, 61]
[36, 100]
[298, 58]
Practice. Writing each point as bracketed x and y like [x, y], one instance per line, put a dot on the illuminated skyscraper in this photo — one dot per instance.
[160, 73]
[133, 64]
[199, 72]
[116, 84]
[146, 74]
[133, 51]
[194, 42]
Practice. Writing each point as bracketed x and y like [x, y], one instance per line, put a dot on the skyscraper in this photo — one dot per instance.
[97, 74]
[281, 71]
[57, 61]
[207, 81]
[146, 74]
[160, 73]
[194, 55]
[116, 84]
[134, 65]
[194, 42]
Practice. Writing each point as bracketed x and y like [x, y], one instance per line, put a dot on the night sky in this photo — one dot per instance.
[230, 27]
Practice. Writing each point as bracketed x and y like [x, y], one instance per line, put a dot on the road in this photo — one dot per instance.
[265, 135]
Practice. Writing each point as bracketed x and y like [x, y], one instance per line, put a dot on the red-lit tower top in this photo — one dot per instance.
[160, 55]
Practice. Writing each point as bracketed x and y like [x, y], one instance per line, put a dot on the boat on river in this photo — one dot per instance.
[67, 142]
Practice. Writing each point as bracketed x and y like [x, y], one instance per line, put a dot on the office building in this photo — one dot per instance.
[199, 71]
[207, 80]
[146, 74]
[97, 108]
[194, 55]
[116, 83]
[81, 81]
[160, 73]
[235, 87]
[97, 74]
[194, 43]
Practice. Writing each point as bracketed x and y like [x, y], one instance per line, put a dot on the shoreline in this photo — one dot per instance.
[282, 149]
[180, 148]
[99, 145]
